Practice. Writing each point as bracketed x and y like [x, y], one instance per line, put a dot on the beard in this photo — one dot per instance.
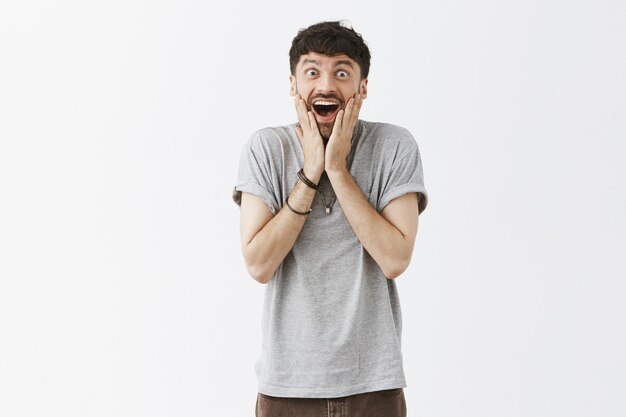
[326, 129]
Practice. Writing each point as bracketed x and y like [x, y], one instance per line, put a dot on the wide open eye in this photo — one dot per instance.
[342, 74]
[311, 72]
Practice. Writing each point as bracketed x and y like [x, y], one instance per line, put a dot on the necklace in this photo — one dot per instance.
[332, 200]
[357, 131]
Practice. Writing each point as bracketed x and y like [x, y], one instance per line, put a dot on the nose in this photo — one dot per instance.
[326, 83]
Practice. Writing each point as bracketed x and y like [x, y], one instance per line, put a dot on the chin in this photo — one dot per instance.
[325, 130]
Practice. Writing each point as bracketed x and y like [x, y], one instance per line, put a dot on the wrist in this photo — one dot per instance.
[313, 174]
[306, 181]
[337, 171]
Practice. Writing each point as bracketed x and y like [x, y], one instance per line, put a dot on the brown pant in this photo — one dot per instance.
[386, 403]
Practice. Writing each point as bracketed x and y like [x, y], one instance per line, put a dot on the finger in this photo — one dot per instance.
[338, 123]
[347, 116]
[301, 110]
[354, 115]
[296, 103]
[303, 114]
[299, 133]
[313, 124]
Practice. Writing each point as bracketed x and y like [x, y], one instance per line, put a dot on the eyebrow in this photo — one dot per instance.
[344, 62]
[311, 61]
[336, 64]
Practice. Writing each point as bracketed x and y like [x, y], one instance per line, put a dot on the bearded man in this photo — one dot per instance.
[329, 214]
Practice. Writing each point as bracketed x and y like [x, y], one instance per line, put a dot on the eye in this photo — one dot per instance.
[342, 74]
[311, 72]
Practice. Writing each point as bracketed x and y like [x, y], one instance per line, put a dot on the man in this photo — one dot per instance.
[329, 215]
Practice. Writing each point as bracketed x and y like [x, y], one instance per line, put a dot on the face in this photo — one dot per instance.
[326, 83]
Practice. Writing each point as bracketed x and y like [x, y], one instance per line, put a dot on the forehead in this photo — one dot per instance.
[327, 60]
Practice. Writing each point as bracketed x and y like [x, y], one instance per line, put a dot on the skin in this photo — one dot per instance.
[388, 237]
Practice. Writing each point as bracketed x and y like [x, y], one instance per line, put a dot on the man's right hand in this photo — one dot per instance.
[311, 141]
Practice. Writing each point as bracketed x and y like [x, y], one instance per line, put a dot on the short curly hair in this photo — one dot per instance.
[330, 38]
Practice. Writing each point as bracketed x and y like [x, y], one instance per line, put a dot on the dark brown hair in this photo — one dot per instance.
[330, 38]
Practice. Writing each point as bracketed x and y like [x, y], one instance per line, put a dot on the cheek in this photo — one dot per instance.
[348, 93]
[305, 91]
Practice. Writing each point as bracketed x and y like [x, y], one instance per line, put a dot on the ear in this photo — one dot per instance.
[363, 88]
[293, 87]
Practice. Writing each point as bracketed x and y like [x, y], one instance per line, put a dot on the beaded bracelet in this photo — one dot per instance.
[302, 213]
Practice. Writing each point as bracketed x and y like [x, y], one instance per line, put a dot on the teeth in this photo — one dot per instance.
[325, 103]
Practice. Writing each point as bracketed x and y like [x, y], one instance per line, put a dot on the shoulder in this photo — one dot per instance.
[272, 146]
[388, 138]
[274, 137]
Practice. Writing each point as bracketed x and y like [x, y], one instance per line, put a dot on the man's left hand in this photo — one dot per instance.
[340, 141]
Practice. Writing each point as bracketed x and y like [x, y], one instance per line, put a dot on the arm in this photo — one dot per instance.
[388, 237]
[267, 239]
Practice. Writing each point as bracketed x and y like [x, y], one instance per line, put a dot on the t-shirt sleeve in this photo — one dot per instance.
[257, 173]
[406, 176]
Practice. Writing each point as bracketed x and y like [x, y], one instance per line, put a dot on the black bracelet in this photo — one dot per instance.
[307, 181]
[295, 211]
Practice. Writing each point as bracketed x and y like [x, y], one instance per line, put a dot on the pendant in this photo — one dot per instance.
[327, 210]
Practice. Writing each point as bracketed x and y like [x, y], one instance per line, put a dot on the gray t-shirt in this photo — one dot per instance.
[331, 324]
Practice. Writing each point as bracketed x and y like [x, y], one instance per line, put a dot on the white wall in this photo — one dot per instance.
[122, 288]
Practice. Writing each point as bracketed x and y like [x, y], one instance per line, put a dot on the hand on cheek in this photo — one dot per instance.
[340, 141]
[310, 140]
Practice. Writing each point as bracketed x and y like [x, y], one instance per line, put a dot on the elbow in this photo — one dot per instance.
[393, 273]
[260, 271]
[261, 275]
[395, 268]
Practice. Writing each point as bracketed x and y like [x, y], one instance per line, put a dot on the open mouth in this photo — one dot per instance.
[326, 109]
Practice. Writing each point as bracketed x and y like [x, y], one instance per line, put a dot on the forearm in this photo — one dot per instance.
[269, 246]
[385, 243]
